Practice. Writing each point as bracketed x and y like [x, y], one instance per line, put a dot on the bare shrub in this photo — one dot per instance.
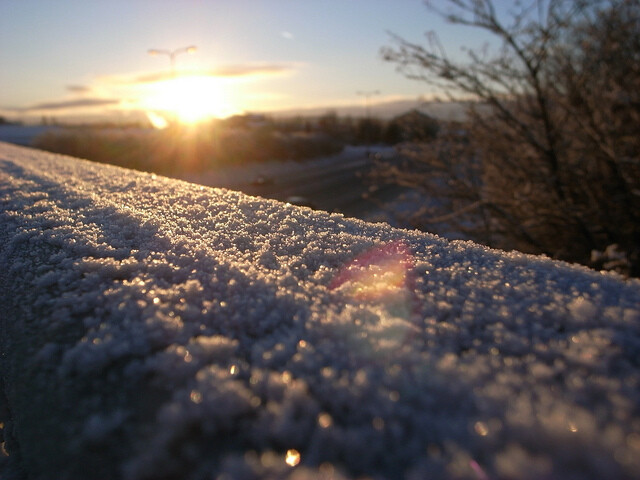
[549, 158]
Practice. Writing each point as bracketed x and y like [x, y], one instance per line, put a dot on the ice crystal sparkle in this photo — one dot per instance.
[292, 457]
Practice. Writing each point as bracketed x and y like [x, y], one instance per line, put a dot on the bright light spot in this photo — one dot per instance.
[188, 99]
[157, 120]
[327, 372]
[481, 429]
[572, 427]
[378, 273]
[378, 423]
[480, 473]
[196, 396]
[292, 458]
[325, 420]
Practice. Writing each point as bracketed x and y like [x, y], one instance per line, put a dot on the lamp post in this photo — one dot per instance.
[172, 54]
[367, 95]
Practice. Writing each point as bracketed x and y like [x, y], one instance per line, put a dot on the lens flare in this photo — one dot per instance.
[378, 273]
[381, 284]
[157, 120]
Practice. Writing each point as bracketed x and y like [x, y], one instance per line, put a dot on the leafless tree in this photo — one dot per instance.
[549, 159]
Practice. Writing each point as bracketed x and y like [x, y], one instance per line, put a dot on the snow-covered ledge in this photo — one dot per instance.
[156, 329]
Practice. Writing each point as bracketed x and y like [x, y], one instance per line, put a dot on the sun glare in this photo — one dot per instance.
[188, 100]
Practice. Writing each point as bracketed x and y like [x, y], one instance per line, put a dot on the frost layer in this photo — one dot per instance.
[156, 329]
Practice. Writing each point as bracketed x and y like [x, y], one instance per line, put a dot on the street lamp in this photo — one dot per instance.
[172, 55]
[368, 126]
[367, 95]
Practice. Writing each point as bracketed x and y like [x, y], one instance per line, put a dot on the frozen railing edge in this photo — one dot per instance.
[144, 320]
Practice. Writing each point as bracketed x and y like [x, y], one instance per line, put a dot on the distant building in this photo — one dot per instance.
[412, 126]
[248, 120]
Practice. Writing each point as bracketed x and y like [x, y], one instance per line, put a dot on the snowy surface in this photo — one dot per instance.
[23, 134]
[156, 329]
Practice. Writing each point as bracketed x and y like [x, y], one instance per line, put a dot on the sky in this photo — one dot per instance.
[75, 58]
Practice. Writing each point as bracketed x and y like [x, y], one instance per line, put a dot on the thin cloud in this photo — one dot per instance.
[71, 104]
[78, 88]
[225, 71]
[252, 70]
[147, 78]
[286, 35]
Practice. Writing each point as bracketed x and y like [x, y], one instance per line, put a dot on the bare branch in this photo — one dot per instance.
[554, 128]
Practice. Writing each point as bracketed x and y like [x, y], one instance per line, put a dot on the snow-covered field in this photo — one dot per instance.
[157, 329]
[23, 134]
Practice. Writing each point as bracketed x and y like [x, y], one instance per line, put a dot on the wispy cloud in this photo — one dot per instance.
[286, 35]
[245, 70]
[78, 88]
[70, 104]
[225, 71]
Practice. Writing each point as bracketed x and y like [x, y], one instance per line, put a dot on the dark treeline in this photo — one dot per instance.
[237, 140]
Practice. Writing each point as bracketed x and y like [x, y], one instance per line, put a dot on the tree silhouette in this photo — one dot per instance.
[550, 154]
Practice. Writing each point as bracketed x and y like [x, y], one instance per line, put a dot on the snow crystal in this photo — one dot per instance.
[152, 328]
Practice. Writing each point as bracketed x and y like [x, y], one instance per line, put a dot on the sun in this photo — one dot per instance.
[189, 99]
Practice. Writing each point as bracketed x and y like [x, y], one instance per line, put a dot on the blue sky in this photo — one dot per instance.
[89, 56]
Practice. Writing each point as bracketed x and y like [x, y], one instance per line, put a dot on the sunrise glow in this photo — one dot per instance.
[188, 99]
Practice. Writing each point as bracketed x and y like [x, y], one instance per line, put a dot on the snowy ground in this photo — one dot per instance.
[23, 134]
[239, 176]
[156, 329]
